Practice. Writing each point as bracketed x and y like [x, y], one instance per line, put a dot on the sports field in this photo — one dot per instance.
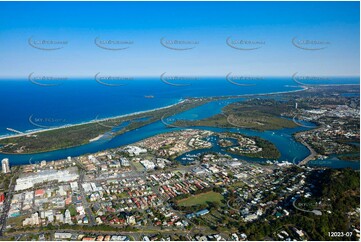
[201, 198]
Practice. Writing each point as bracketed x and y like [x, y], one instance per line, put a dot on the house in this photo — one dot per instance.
[39, 193]
[235, 237]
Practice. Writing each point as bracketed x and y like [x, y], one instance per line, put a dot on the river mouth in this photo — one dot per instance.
[290, 149]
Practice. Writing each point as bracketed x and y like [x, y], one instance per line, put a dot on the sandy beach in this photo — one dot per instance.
[34, 132]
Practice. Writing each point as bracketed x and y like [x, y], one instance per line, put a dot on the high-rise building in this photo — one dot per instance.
[5, 165]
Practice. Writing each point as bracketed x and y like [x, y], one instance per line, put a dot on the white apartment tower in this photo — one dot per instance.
[5, 165]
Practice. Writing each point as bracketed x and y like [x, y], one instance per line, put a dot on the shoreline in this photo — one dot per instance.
[37, 131]
[212, 99]
[26, 133]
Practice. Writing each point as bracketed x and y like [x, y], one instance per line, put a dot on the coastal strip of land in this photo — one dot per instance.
[79, 134]
[34, 132]
[135, 114]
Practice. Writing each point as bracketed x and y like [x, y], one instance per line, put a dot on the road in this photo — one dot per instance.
[7, 202]
[136, 234]
[83, 199]
[316, 212]
[312, 154]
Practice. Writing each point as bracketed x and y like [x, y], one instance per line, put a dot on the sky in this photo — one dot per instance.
[277, 37]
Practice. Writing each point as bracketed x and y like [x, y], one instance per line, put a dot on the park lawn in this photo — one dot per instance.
[201, 198]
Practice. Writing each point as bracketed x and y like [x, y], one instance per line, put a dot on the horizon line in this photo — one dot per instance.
[181, 75]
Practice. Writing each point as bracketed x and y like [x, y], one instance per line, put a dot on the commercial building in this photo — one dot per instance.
[27, 181]
[147, 164]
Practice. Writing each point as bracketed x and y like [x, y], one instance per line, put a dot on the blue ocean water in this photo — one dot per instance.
[27, 106]
[80, 100]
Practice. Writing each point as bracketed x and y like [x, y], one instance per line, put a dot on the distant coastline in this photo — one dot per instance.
[37, 131]
[57, 154]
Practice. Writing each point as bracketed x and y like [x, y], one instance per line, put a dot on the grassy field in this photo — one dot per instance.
[16, 221]
[201, 198]
[138, 166]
